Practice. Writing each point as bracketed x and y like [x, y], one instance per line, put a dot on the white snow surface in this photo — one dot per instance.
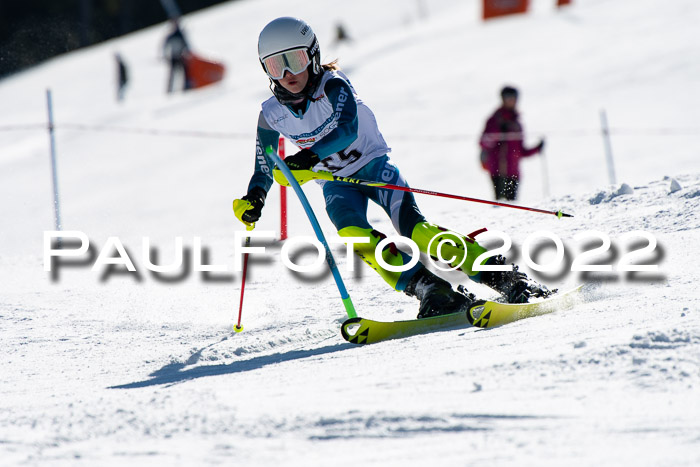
[107, 367]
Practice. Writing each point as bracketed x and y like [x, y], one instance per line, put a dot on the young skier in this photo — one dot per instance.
[316, 107]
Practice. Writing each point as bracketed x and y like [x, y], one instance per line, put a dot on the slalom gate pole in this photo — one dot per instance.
[344, 295]
[283, 198]
[310, 175]
[238, 327]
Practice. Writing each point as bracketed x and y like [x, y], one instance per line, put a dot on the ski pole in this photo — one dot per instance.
[304, 176]
[238, 327]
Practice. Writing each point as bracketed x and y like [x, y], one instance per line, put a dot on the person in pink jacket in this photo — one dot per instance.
[502, 146]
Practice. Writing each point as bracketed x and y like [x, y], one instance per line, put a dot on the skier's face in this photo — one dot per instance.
[295, 83]
[510, 102]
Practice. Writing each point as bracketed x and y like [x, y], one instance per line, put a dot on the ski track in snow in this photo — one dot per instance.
[108, 367]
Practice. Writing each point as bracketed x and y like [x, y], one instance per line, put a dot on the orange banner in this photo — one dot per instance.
[202, 72]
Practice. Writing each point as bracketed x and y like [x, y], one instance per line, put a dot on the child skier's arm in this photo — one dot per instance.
[249, 207]
[262, 175]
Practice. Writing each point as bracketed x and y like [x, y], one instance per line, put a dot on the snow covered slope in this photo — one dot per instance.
[107, 367]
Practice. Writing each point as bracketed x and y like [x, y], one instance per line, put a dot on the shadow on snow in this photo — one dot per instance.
[174, 373]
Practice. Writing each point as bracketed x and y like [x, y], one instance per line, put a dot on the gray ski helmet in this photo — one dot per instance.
[289, 33]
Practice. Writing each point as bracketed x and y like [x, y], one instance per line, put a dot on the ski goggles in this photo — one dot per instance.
[295, 61]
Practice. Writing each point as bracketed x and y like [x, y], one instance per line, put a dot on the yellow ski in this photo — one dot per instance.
[487, 314]
[482, 313]
[367, 331]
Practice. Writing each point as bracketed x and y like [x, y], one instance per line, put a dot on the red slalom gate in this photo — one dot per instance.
[497, 8]
[283, 198]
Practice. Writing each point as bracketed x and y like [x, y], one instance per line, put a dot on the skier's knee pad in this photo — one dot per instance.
[390, 254]
[459, 250]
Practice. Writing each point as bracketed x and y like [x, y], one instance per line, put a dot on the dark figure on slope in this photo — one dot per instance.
[122, 77]
[502, 146]
[175, 51]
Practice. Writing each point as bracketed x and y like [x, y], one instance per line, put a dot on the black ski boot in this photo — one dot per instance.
[514, 285]
[436, 295]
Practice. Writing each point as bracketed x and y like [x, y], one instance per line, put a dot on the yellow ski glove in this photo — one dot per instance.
[249, 208]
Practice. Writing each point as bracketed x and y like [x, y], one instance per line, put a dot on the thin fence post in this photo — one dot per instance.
[608, 147]
[283, 198]
[545, 174]
[52, 139]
